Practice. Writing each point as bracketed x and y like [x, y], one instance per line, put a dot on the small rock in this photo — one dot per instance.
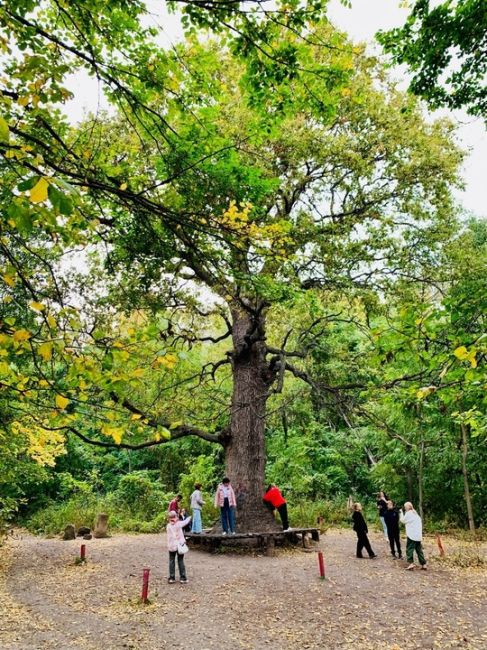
[83, 530]
[88, 536]
[69, 532]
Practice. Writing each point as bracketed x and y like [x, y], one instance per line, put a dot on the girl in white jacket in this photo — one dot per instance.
[175, 536]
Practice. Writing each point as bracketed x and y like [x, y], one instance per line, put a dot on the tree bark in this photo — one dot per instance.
[245, 455]
[466, 487]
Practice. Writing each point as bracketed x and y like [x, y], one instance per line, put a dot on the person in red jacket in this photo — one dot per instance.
[274, 499]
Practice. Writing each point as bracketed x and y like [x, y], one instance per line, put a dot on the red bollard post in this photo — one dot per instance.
[321, 563]
[145, 586]
[82, 553]
[441, 548]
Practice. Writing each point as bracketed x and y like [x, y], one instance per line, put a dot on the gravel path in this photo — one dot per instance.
[232, 601]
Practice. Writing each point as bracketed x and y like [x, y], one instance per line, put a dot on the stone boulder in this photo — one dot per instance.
[83, 530]
[101, 526]
[69, 532]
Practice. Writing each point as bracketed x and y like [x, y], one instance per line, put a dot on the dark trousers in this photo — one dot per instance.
[363, 541]
[172, 566]
[283, 514]
[394, 541]
[412, 546]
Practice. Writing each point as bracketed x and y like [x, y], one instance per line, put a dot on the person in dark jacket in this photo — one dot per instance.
[360, 527]
[391, 517]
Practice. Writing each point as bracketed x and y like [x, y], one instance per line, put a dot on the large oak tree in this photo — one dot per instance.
[212, 196]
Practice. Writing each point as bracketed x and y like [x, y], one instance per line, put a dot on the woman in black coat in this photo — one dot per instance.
[360, 527]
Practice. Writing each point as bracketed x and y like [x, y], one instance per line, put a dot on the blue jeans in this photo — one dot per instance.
[384, 526]
[228, 517]
[196, 526]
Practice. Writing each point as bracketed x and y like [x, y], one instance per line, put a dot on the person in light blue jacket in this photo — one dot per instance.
[196, 505]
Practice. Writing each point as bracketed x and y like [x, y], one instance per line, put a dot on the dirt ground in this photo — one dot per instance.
[235, 601]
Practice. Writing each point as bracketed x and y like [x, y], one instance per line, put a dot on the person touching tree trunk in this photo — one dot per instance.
[276, 501]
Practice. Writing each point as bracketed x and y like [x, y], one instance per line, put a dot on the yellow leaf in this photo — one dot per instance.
[443, 372]
[168, 361]
[9, 279]
[61, 402]
[36, 306]
[113, 432]
[123, 186]
[45, 350]
[461, 352]
[136, 416]
[21, 335]
[4, 130]
[39, 192]
[424, 392]
[138, 372]
[51, 320]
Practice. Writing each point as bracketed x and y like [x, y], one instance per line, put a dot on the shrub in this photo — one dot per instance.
[80, 510]
[140, 495]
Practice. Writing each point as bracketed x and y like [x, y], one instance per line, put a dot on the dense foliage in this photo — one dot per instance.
[445, 48]
[259, 245]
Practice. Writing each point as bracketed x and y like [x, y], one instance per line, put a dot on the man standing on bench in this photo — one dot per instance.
[274, 499]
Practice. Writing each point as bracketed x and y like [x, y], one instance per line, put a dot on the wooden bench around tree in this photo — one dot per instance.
[264, 540]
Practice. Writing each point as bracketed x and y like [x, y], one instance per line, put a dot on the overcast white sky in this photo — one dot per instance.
[361, 22]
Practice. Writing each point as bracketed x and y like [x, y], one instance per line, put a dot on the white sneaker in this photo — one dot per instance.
[232, 533]
[287, 530]
[224, 533]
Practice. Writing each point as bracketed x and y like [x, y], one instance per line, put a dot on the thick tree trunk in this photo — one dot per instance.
[245, 456]
[466, 487]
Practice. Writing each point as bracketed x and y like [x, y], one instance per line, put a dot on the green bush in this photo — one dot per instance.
[306, 513]
[141, 495]
[80, 510]
[138, 505]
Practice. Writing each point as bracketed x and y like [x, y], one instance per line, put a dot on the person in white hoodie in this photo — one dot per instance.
[196, 505]
[414, 534]
[175, 537]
